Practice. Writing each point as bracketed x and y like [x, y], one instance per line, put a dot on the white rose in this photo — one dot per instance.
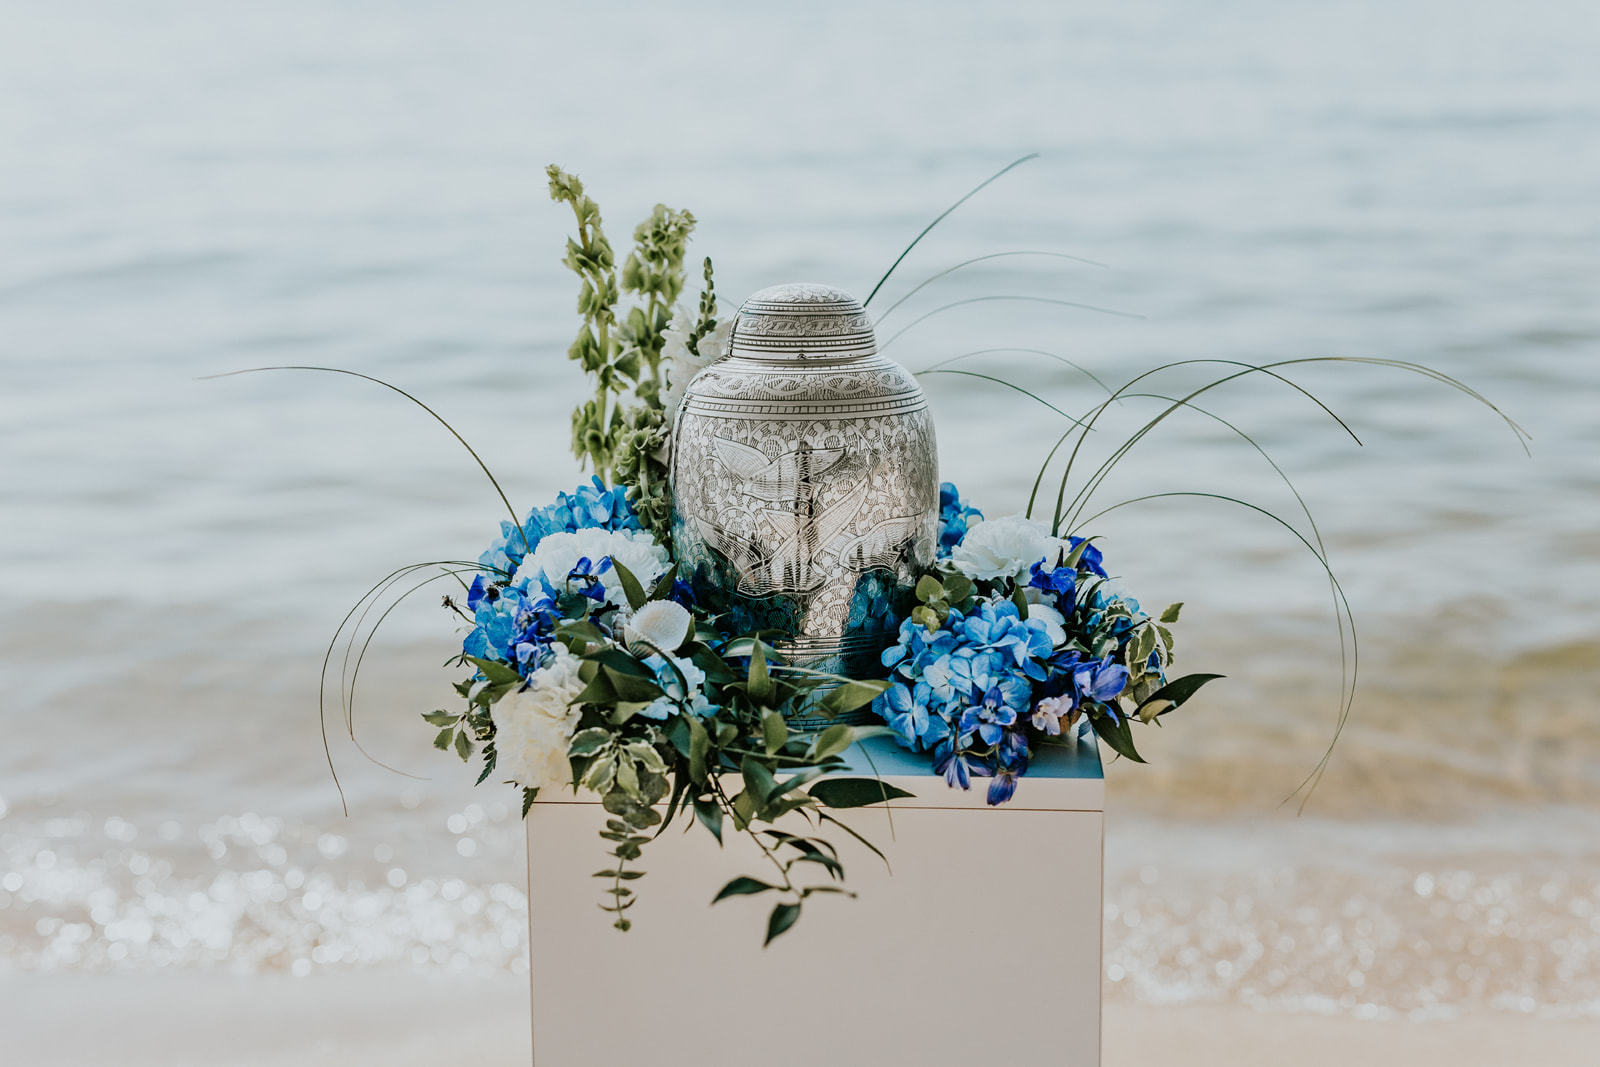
[558, 554]
[1005, 547]
[533, 726]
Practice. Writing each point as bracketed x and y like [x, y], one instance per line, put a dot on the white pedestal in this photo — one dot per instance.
[982, 947]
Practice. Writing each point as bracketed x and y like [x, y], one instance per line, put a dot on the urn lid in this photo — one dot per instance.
[802, 321]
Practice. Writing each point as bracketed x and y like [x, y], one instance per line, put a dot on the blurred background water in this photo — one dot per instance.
[187, 189]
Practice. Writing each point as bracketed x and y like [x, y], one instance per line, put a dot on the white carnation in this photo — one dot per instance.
[558, 554]
[1004, 547]
[533, 726]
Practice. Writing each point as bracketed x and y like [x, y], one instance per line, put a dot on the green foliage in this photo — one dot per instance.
[731, 759]
[855, 792]
[654, 272]
[937, 594]
[622, 431]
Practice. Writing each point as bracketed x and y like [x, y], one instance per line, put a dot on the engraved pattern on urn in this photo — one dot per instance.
[805, 478]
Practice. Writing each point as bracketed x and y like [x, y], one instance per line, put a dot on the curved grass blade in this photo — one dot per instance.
[1123, 449]
[1026, 351]
[1311, 781]
[945, 214]
[376, 594]
[1004, 296]
[1008, 385]
[978, 259]
[356, 674]
[327, 658]
[439, 418]
[1080, 501]
[1316, 534]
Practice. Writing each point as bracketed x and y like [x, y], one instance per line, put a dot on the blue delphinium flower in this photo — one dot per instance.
[948, 761]
[1011, 763]
[954, 518]
[1060, 583]
[515, 625]
[1091, 560]
[988, 714]
[1101, 681]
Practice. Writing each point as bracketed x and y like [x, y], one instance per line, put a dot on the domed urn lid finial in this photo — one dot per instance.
[802, 321]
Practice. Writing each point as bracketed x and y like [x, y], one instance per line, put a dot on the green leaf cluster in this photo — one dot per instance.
[732, 761]
[1144, 646]
[938, 594]
[642, 452]
[622, 431]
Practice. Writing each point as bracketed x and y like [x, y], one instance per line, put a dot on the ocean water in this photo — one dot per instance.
[187, 190]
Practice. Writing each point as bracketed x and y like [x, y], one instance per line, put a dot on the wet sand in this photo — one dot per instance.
[221, 1020]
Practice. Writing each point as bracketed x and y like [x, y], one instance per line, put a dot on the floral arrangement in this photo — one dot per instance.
[593, 666]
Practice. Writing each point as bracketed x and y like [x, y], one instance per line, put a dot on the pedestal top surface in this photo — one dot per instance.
[1059, 778]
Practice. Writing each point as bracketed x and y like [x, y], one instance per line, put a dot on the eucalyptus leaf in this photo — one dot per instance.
[758, 779]
[663, 587]
[496, 672]
[856, 792]
[699, 746]
[1115, 732]
[630, 585]
[774, 731]
[743, 886]
[832, 741]
[629, 687]
[710, 815]
[957, 587]
[783, 917]
[852, 695]
[759, 682]
[1179, 690]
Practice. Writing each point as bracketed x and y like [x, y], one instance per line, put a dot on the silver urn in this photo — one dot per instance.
[805, 480]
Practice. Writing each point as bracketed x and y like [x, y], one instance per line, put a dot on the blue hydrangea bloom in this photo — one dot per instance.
[514, 624]
[587, 507]
[964, 691]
